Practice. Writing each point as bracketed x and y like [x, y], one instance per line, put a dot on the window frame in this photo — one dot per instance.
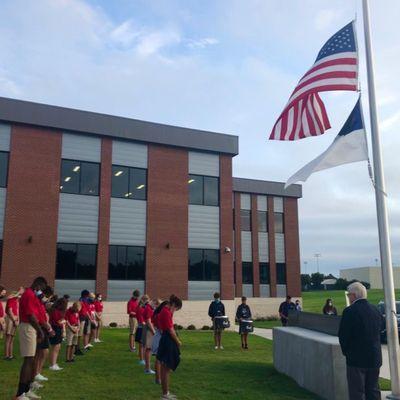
[261, 264]
[7, 153]
[76, 278]
[250, 224]
[203, 190]
[266, 221]
[129, 183]
[250, 263]
[283, 222]
[203, 266]
[126, 267]
[80, 177]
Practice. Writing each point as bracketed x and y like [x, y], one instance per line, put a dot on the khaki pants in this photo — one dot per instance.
[133, 324]
[11, 329]
[72, 338]
[27, 340]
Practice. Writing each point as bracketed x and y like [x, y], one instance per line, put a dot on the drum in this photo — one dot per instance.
[221, 322]
[246, 326]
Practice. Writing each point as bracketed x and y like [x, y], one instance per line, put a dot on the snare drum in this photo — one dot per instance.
[221, 322]
[246, 326]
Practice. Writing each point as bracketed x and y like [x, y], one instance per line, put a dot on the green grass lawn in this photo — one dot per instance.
[314, 301]
[110, 371]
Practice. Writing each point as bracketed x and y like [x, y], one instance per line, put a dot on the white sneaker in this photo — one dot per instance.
[141, 362]
[41, 378]
[216, 348]
[168, 396]
[22, 397]
[55, 367]
[36, 385]
[221, 347]
[149, 372]
[32, 395]
[89, 345]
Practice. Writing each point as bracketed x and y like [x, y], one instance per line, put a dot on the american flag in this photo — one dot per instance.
[336, 68]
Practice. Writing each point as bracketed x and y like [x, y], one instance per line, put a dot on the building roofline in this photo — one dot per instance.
[255, 186]
[87, 122]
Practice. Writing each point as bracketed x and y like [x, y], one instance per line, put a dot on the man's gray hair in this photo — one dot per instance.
[358, 289]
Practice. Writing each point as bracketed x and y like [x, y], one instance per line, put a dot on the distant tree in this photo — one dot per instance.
[305, 281]
[316, 279]
[341, 284]
[330, 276]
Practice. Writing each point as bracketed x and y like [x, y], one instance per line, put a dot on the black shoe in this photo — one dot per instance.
[246, 347]
[79, 353]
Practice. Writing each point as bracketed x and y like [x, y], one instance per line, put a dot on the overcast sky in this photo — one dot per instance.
[225, 66]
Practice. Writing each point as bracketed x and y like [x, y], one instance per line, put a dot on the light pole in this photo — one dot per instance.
[305, 266]
[376, 262]
[317, 256]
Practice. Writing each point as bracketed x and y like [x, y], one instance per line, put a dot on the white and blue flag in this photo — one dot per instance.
[349, 146]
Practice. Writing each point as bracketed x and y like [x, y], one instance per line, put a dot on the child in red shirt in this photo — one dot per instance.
[139, 331]
[12, 321]
[148, 333]
[133, 323]
[72, 329]
[98, 308]
[3, 293]
[57, 322]
[168, 350]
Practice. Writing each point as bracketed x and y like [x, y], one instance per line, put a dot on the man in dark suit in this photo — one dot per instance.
[359, 336]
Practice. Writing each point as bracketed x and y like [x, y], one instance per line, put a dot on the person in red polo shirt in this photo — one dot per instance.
[133, 323]
[84, 325]
[30, 333]
[57, 322]
[98, 308]
[168, 350]
[148, 334]
[12, 321]
[72, 329]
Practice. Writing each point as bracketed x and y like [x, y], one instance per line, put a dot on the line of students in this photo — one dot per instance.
[44, 321]
[151, 327]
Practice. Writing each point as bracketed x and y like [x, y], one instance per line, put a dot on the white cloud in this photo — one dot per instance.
[202, 43]
[125, 33]
[390, 122]
[325, 18]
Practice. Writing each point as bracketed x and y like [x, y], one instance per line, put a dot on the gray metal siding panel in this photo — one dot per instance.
[255, 186]
[281, 291]
[128, 222]
[247, 290]
[263, 253]
[5, 134]
[203, 227]
[129, 154]
[78, 218]
[280, 247]
[247, 255]
[122, 290]
[3, 196]
[199, 290]
[278, 204]
[264, 291]
[262, 204]
[67, 119]
[73, 287]
[81, 147]
[245, 201]
[203, 163]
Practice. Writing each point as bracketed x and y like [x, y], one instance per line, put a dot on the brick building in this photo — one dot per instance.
[111, 204]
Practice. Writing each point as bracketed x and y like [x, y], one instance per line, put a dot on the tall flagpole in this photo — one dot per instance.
[383, 228]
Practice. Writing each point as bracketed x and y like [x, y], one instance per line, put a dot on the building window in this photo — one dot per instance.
[264, 273]
[80, 177]
[247, 273]
[262, 217]
[245, 220]
[204, 265]
[127, 263]
[129, 183]
[203, 190]
[281, 273]
[76, 261]
[278, 218]
[3, 168]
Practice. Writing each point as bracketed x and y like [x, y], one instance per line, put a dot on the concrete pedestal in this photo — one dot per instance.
[313, 359]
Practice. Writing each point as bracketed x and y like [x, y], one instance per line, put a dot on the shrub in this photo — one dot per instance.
[205, 328]
[178, 327]
[113, 324]
[191, 328]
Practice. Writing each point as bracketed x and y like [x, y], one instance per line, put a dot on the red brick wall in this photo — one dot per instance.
[104, 216]
[292, 246]
[254, 243]
[238, 247]
[271, 245]
[167, 222]
[31, 206]
[226, 227]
